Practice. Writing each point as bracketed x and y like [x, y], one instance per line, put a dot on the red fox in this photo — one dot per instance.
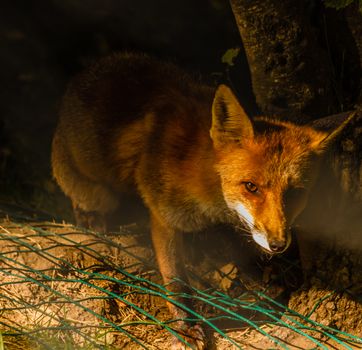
[192, 154]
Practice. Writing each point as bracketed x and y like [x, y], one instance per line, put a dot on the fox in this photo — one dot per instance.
[130, 122]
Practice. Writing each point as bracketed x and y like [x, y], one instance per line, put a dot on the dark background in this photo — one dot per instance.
[45, 42]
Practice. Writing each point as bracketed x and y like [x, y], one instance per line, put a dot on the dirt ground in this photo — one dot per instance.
[64, 288]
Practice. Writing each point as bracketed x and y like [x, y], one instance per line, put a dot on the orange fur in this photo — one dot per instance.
[130, 122]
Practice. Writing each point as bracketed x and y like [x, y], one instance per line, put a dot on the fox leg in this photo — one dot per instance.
[91, 200]
[168, 245]
[92, 206]
[90, 219]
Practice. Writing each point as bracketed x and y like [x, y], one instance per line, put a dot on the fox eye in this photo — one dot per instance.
[251, 187]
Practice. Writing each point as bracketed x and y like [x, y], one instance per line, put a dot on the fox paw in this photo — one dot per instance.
[90, 220]
[194, 336]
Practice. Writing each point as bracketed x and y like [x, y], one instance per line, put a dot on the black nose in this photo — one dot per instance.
[277, 245]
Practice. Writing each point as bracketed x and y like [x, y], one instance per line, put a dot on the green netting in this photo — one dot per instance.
[47, 292]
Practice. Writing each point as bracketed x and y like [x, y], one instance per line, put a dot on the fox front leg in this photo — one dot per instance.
[168, 245]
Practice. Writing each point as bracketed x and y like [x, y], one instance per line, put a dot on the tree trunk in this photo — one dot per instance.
[287, 67]
[300, 68]
[354, 20]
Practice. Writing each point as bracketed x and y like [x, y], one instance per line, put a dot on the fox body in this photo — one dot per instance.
[192, 154]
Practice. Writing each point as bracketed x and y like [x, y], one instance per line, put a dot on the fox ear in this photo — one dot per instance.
[229, 120]
[335, 126]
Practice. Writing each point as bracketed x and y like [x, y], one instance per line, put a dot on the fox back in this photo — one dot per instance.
[118, 122]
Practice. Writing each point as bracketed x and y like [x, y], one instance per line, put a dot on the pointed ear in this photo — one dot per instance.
[335, 125]
[229, 120]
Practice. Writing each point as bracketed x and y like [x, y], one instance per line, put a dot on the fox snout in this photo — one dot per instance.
[273, 236]
[273, 244]
[278, 245]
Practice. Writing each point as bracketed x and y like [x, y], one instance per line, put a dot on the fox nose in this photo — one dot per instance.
[277, 246]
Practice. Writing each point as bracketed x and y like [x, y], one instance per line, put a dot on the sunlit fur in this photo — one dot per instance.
[261, 239]
[130, 122]
[248, 220]
[283, 165]
[133, 122]
[280, 158]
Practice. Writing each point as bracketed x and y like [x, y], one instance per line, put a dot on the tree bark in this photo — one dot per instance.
[354, 20]
[288, 68]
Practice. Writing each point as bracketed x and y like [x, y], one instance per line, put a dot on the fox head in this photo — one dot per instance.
[267, 168]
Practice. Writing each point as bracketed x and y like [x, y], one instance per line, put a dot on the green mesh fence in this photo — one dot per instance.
[62, 288]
